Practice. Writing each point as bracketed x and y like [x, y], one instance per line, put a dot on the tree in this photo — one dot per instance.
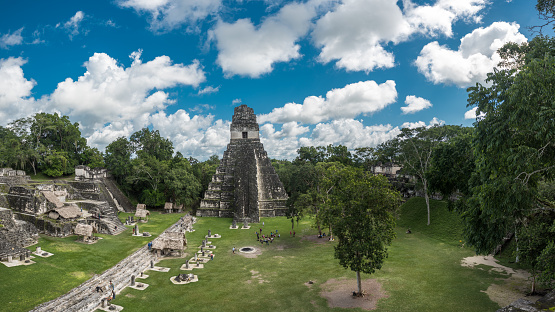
[118, 159]
[413, 149]
[365, 226]
[147, 142]
[92, 158]
[452, 164]
[514, 146]
[181, 185]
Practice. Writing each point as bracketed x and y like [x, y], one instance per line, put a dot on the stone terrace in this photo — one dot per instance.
[85, 298]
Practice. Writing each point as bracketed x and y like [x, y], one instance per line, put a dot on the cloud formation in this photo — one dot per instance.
[11, 39]
[415, 104]
[356, 32]
[471, 114]
[248, 50]
[72, 26]
[15, 90]
[476, 56]
[364, 97]
[109, 93]
[165, 15]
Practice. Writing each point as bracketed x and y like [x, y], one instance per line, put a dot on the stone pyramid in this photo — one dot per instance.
[245, 186]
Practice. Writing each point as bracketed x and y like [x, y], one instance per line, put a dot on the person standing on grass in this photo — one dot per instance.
[233, 250]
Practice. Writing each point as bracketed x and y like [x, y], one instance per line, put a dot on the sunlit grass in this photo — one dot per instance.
[422, 273]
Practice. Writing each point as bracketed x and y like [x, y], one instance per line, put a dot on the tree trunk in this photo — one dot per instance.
[359, 284]
[427, 201]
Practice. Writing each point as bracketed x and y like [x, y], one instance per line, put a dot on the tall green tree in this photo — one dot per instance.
[181, 184]
[413, 149]
[453, 165]
[515, 151]
[366, 222]
[118, 159]
[150, 142]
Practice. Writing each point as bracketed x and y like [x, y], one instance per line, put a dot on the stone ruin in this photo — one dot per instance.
[245, 186]
[55, 208]
[15, 235]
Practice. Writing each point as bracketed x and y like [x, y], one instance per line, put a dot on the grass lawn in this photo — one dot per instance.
[422, 273]
[24, 287]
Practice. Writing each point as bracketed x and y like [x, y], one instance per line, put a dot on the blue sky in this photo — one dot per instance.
[316, 72]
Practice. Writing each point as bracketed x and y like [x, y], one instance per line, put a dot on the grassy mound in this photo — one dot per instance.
[444, 225]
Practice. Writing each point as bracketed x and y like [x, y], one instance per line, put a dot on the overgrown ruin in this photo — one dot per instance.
[245, 186]
[56, 207]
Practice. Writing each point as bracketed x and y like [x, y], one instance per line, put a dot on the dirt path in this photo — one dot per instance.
[514, 287]
[339, 293]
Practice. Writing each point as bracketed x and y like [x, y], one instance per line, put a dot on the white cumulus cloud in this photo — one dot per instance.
[109, 93]
[415, 104]
[355, 34]
[248, 50]
[475, 57]
[364, 97]
[165, 15]
[15, 90]
[471, 114]
[438, 18]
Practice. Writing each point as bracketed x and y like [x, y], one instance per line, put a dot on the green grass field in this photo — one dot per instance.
[422, 273]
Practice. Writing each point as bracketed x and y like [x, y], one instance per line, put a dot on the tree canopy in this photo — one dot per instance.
[514, 145]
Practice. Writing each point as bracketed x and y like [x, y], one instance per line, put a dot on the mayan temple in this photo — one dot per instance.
[245, 186]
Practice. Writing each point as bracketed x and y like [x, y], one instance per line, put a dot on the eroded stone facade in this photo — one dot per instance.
[245, 186]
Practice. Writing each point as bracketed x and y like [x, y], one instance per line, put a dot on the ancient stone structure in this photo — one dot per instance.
[54, 207]
[85, 298]
[245, 186]
[83, 173]
[15, 235]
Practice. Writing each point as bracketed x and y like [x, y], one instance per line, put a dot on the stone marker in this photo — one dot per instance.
[209, 233]
[39, 250]
[201, 249]
[203, 243]
[22, 257]
[245, 224]
[137, 229]
[234, 224]
[104, 302]
[187, 264]
[9, 259]
[151, 263]
[196, 257]
[203, 253]
[132, 280]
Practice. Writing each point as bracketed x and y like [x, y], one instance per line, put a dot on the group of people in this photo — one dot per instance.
[262, 238]
[111, 288]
